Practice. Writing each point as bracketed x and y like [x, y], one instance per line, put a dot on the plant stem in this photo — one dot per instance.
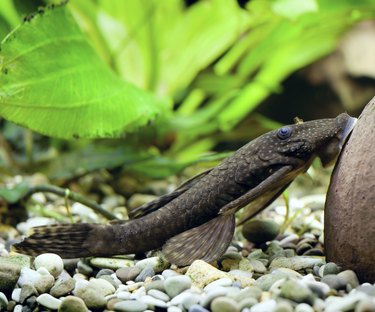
[70, 195]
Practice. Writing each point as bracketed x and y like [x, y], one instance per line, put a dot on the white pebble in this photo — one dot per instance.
[268, 305]
[16, 294]
[48, 301]
[225, 281]
[124, 295]
[153, 302]
[52, 262]
[17, 308]
[174, 309]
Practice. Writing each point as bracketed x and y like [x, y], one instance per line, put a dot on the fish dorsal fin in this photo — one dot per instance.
[207, 242]
[165, 199]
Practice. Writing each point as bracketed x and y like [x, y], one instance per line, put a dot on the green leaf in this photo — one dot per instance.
[294, 8]
[13, 194]
[52, 81]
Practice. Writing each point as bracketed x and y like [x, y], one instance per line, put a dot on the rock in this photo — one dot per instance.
[104, 272]
[202, 273]
[244, 278]
[266, 281]
[176, 284]
[334, 281]
[346, 303]
[267, 305]
[190, 300]
[260, 230]
[41, 279]
[63, 285]
[247, 303]
[93, 293]
[127, 273]
[72, 304]
[16, 294]
[84, 268]
[158, 295]
[168, 273]
[111, 263]
[329, 268]
[158, 264]
[296, 291]
[174, 309]
[365, 305]
[27, 290]
[225, 281]
[46, 300]
[350, 196]
[153, 302]
[283, 306]
[258, 266]
[146, 272]
[158, 284]
[3, 301]
[212, 294]
[52, 262]
[249, 292]
[224, 304]
[130, 306]
[197, 308]
[303, 307]
[294, 263]
[349, 277]
[10, 268]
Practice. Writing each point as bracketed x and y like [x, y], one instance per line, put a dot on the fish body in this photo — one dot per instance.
[196, 221]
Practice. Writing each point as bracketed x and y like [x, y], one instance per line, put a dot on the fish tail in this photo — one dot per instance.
[66, 240]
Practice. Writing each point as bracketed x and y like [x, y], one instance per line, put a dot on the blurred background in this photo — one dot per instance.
[227, 70]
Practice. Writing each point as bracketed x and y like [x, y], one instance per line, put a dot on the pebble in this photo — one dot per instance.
[334, 281]
[258, 266]
[303, 307]
[224, 304]
[52, 262]
[27, 291]
[294, 263]
[202, 273]
[146, 272]
[224, 281]
[16, 294]
[48, 301]
[72, 304]
[266, 281]
[127, 274]
[93, 293]
[3, 301]
[211, 295]
[296, 291]
[197, 308]
[158, 284]
[260, 230]
[84, 268]
[267, 305]
[111, 263]
[249, 292]
[10, 268]
[177, 284]
[347, 303]
[104, 272]
[153, 302]
[284, 306]
[63, 285]
[130, 306]
[366, 305]
[169, 273]
[41, 279]
[350, 278]
[190, 300]
[158, 264]
[247, 303]
[174, 309]
[158, 295]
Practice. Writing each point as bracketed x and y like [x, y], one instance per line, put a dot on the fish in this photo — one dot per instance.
[197, 219]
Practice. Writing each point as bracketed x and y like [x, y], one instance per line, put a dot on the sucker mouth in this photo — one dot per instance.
[347, 130]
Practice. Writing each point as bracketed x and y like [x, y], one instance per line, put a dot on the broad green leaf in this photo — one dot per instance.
[52, 81]
[14, 193]
[294, 8]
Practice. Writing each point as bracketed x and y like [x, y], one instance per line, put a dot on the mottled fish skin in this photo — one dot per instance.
[254, 175]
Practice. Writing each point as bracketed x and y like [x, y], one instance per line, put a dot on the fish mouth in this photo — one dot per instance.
[344, 135]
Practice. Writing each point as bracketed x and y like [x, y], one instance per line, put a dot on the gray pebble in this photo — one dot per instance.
[303, 307]
[247, 303]
[158, 284]
[190, 300]
[63, 285]
[260, 231]
[267, 305]
[249, 292]
[266, 281]
[158, 264]
[153, 302]
[158, 295]
[130, 306]
[127, 273]
[197, 308]
[109, 279]
[224, 304]
[367, 289]
[283, 306]
[295, 263]
[174, 309]
[27, 290]
[169, 273]
[224, 281]
[176, 284]
[146, 272]
[350, 278]
[104, 272]
[334, 281]
[314, 252]
[84, 268]
[211, 295]
[48, 301]
[296, 291]
[3, 301]
[72, 304]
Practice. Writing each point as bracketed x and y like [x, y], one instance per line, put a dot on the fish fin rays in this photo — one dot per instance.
[207, 242]
[165, 199]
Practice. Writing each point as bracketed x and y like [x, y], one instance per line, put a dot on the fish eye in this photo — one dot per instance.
[284, 132]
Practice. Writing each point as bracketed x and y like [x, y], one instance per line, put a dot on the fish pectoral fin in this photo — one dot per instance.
[261, 203]
[207, 242]
[273, 183]
[165, 199]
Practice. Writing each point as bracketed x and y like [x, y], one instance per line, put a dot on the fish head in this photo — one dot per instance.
[305, 140]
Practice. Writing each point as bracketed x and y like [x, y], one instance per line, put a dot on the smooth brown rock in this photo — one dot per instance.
[350, 206]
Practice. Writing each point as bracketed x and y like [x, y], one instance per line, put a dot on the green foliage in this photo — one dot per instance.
[215, 61]
[53, 82]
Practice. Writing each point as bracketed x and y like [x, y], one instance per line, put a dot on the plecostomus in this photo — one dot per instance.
[196, 221]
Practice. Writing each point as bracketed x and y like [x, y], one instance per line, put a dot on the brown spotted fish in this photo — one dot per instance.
[197, 220]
